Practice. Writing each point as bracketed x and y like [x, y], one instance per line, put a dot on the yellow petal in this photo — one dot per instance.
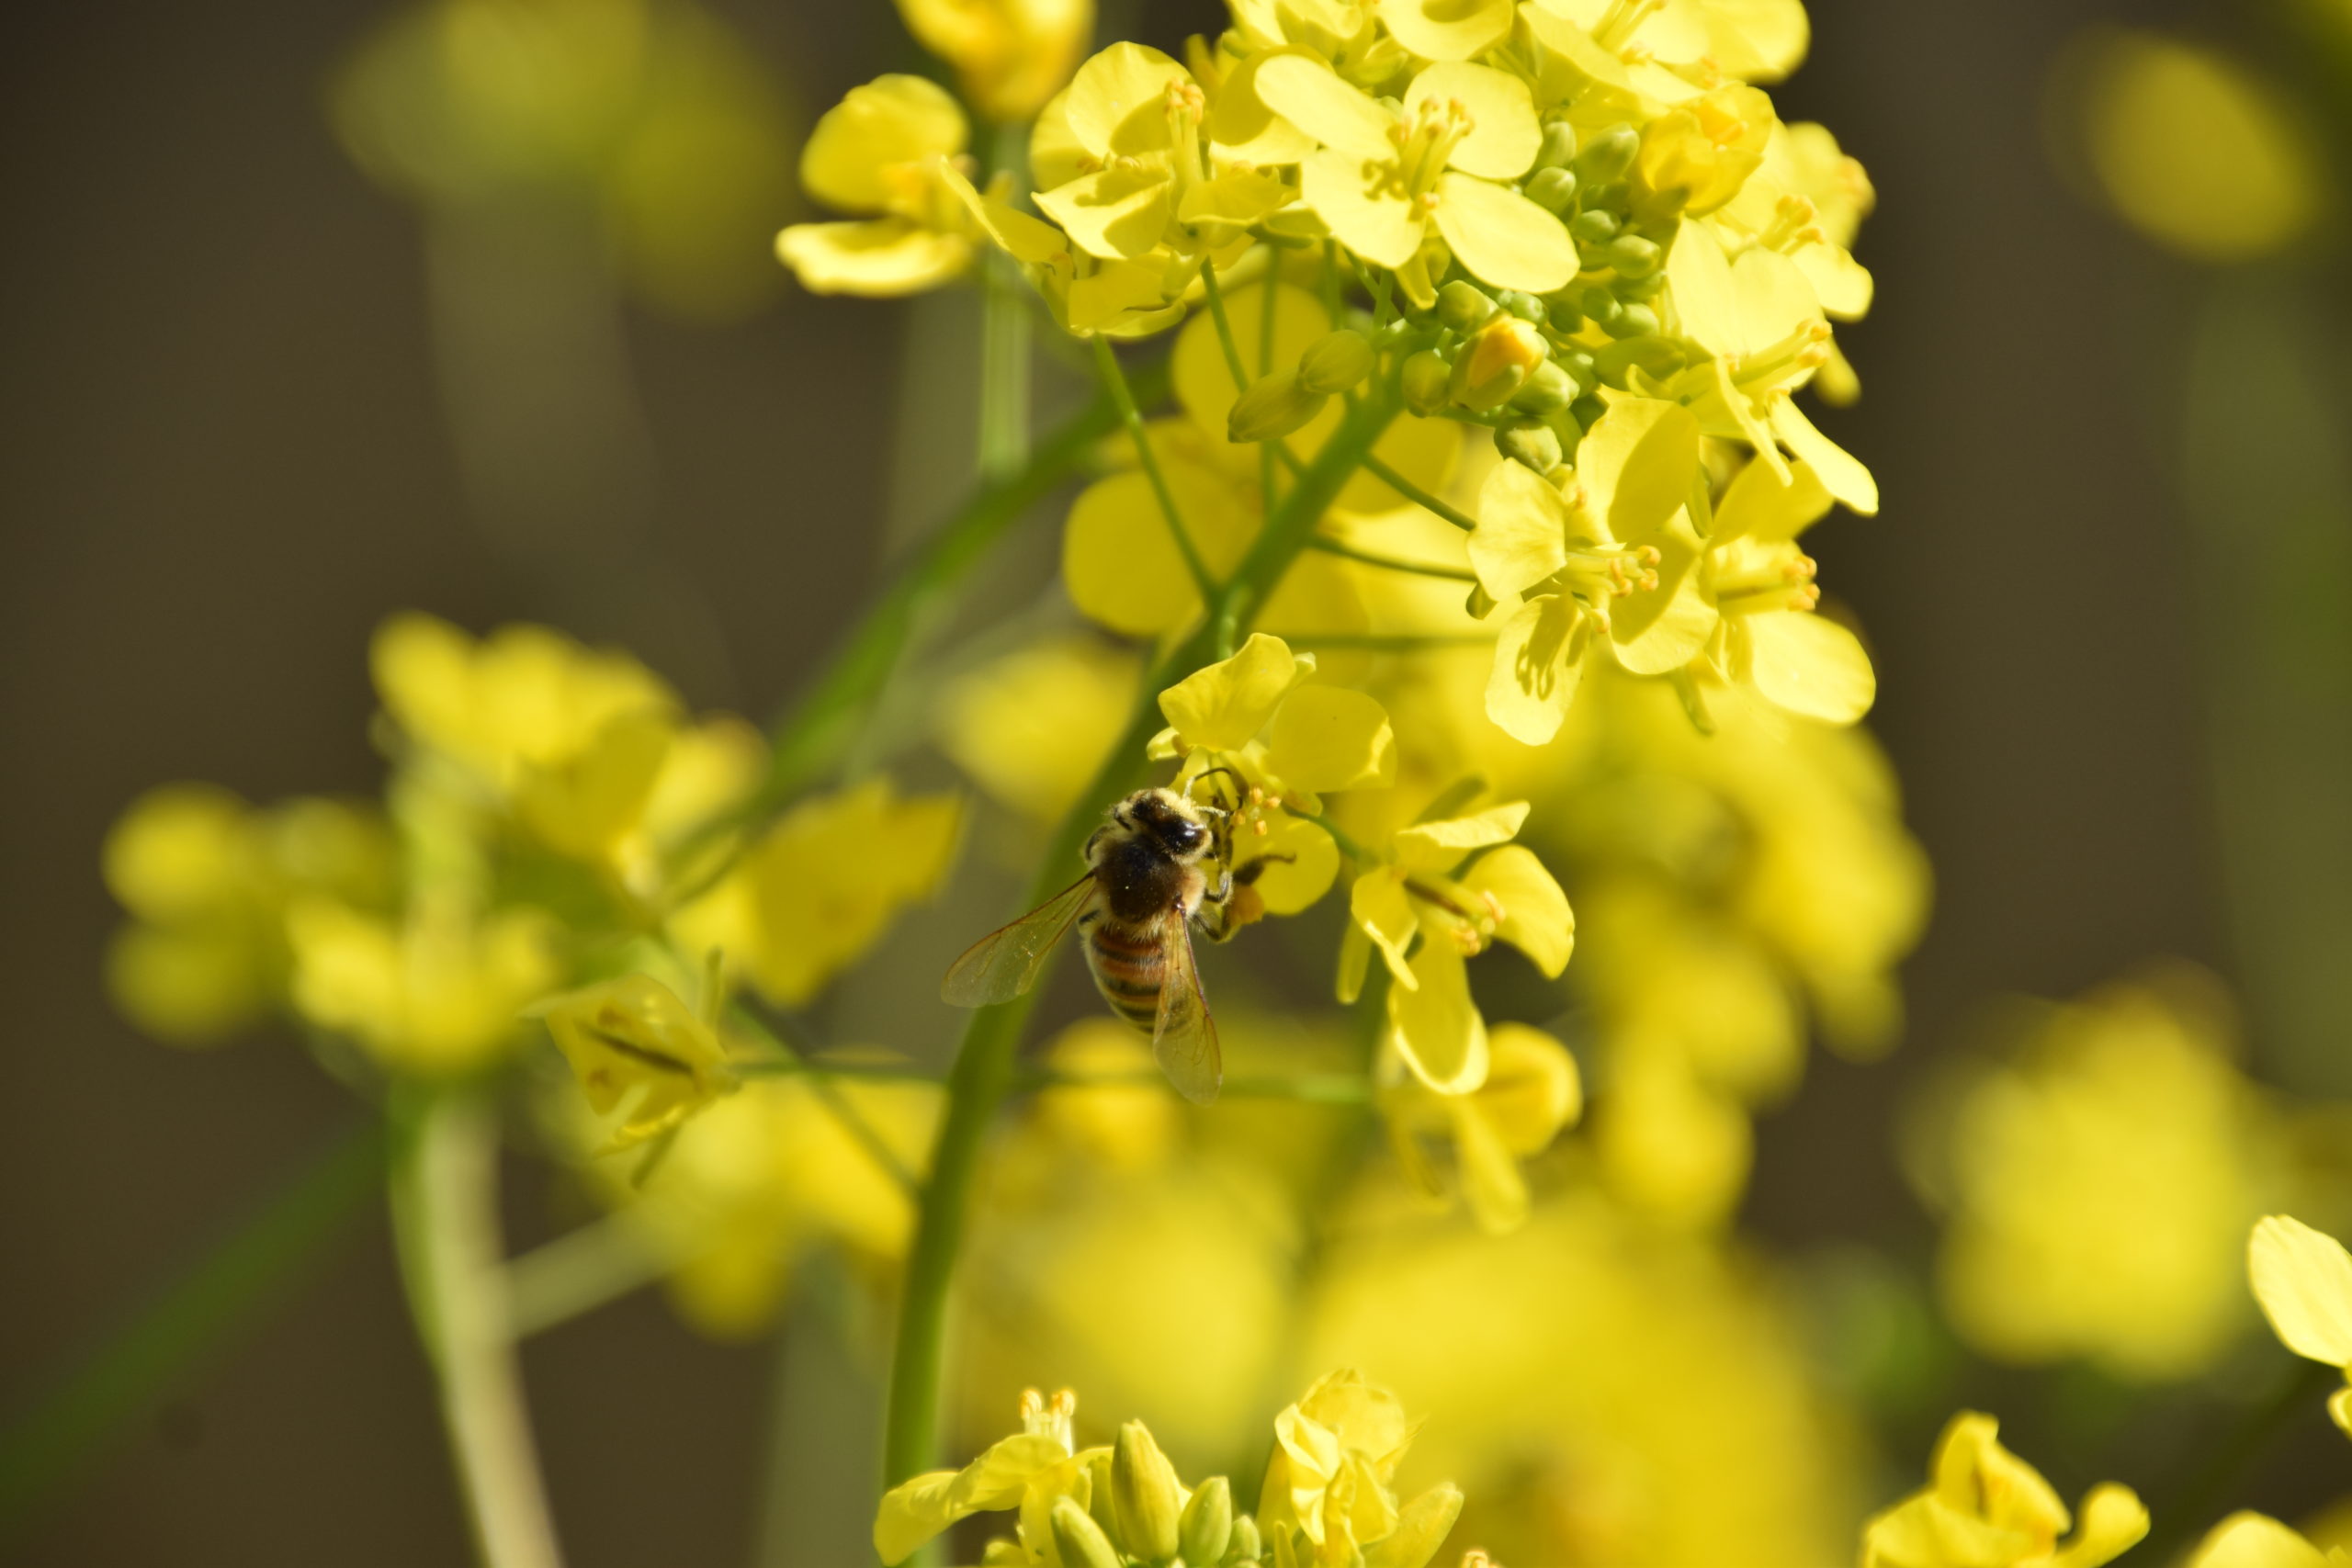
[1491, 1184]
[1576, 70]
[1501, 236]
[1116, 213]
[1120, 563]
[1539, 659]
[1842, 474]
[582, 805]
[2256, 1540]
[1222, 706]
[1117, 103]
[1440, 845]
[2339, 1409]
[1309, 94]
[1434, 1025]
[889, 121]
[1636, 464]
[1660, 629]
[1329, 738]
[1521, 538]
[1532, 1090]
[2113, 1520]
[1013, 230]
[1204, 379]
[1246, 128]
[1423, 451]
[1756, 40]
[2303, 1280]
[1056, 155]
[1810, 665]
[1505, 135]
[1448, 29]
[914, 1511]
[1383, 229]
[1762, 505]
[1535, 916]
[885, 257]
[1301, 862]
[179, 850]
[1378, 907]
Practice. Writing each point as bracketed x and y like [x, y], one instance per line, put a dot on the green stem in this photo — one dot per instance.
[192, 1317]
[1330, 546]
[1416, 495]
[445, 1219]
[1004, 336]
[983, 1072]
[1115, 381]
[2196, 1495]
[1225, 337]
[579, 1271]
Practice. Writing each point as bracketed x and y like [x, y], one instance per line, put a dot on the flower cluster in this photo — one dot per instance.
[1326, 1499]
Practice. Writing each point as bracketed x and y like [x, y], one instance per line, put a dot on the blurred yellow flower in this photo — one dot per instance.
[1336, 1452]
[2101, 1179]
[2256, 1540]
[644, 1061]
[2303, 1279]
[1032, 727]
[1531, 1092]
[1984, 1507]
[437, 991]
[2192, 149]
[818, 888]
[1010, 55]
[890, 150]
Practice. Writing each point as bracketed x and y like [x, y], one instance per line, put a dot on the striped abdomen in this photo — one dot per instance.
[1128, 966]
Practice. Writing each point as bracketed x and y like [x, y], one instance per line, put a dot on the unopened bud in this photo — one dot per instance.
[1208, 1525]
[1531, 447]
[1245, 1546]
[1633, 320]
[1653, 357]
[1078, 1539]
[1564, 425]
[1558, 146]
[1600, 305]
[1479, 604]
[1547, 389]
[1554, 190]
[1271, 409]
[1595, 228]
[1422, 1526]
[1145, 1497]
[1427, 382]
[1578, 366]
[1334, 363]
[1631, 254]
[1565, 316]
[1462, 307]
[1494, 363]
[1522, 304]
[1608, 155]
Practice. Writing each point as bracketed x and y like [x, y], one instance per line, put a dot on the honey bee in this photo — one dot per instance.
[1160, 866]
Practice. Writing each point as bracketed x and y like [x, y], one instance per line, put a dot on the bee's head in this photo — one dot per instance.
[1178, 825]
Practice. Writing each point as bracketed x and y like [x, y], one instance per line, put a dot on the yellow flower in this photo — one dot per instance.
[1984, 1507]
[1754, 40]
[1032, 727]
[1696, 156]
[2256, 1540]
[645, 1061]
[2100, 1180]
[206, 879]
[1011, 55]
[1386, 181]
[1029, 1471]
[818, 888]
[1762, 587]
[2192, 150]
[441, 992]
[1426, 915]
[2303, 1280]
[1531, 1091]
[1328, 1482]
[890, 150]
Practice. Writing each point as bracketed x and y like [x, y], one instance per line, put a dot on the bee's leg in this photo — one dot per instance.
[1215, 916]
[1256, 868]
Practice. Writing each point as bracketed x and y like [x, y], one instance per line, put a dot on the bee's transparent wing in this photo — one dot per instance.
[1004, 963]
[1184, 1035]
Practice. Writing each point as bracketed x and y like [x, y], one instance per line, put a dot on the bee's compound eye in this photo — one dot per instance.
[1183, 835]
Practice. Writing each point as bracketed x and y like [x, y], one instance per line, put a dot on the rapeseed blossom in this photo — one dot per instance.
[2256, 1540]
[2302, 1277]
[1984, 1507]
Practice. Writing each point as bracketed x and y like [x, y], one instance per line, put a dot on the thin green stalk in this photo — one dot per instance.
[1115, 381]
[1005, 335]
[1416, 495]
[444, 1218]
[1225, 337]
[193, 1316]
[983, 1071]
[860, 1130]
[579, 1271]
[1330, 546]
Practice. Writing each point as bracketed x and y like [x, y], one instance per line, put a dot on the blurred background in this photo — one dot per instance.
[271, 371]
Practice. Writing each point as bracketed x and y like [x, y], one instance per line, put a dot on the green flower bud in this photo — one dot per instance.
[1494, 363]
[1559, 145]
[1614, 196]
[1208, 1525]
[1578, 366]
[1428, 382]
[1653, 355]
[1547, 389]
[1632, 256]
[1479, 603]
[1246, 1546]
[1523, 304]
[1566, 316]
[1078, 1539]
[1595, 228]
[1564, 425]
[1554, 190]
[1600, 305]
[1608, 155]
[1631, 321]
[1531, 447]
[1462, 307]
[1422, 1526]
[1635, 289]
[1334, 363]
[1145, 1497]
[1272, 408]
[1586, 409]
